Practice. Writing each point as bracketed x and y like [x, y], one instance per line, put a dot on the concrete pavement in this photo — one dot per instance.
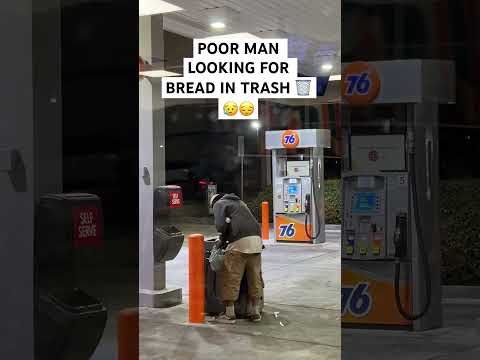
[301, 320]
[303, 291]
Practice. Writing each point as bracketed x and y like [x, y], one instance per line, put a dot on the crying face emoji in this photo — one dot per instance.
[246, 108]
[230, 108]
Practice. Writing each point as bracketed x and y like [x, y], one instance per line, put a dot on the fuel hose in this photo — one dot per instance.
[421, 245]
[308, 213]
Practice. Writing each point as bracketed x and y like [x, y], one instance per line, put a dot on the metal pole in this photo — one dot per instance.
[241, 177]
[241, 153]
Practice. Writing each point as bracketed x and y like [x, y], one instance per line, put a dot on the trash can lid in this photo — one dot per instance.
[169, 187]
[71, 196]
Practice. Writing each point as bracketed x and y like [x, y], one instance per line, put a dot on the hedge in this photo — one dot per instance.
[459, 229]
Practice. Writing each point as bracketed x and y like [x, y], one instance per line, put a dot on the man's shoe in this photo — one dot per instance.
[224, 319]
[253, 310]
[256, 317]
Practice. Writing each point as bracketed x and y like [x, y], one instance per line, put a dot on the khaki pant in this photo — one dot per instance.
[237, 264]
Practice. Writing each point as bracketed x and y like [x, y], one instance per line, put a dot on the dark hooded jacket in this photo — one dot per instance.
[242, 224]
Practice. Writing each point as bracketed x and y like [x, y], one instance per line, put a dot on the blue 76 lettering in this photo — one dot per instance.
[287, 230]
[356, 300]
[358, 84]
[290, 139]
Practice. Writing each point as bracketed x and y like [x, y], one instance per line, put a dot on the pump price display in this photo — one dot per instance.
[366, 202]
[360, 83]
[356, 300]
[292, 189]
[85, 223]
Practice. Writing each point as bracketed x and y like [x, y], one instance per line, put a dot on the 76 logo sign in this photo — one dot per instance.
[290, 139]
[358, 84]
[356, 300]
[287, 230]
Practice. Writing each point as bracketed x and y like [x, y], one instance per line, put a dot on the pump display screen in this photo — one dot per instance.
[292, 189]
[365, 202]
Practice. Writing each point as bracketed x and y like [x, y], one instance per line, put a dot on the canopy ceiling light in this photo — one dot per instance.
[219, 18]
[256, 125]
[236, 36]
[327, 67]
[218, 25]
[153, 7]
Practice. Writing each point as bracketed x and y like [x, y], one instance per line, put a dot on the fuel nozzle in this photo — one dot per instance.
[307, 204]
[400, 236]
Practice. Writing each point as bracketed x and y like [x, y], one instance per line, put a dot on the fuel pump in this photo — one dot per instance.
[297, 172]
[164, 245]
[390, 225]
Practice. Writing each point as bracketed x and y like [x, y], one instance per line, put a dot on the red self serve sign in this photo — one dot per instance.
[175, 199]
[373, 155]
[86, 226]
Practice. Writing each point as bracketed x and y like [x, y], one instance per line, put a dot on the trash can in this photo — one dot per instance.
[166, 198]
[213, 305]
[167, 238]
[168, 241]
[69, 322]
[69, 232]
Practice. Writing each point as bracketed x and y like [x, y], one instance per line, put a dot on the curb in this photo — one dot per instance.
[333, 227]
[460, 292]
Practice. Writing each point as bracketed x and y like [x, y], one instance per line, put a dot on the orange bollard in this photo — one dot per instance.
[265, 221]
[196, 279]
[127, 335]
